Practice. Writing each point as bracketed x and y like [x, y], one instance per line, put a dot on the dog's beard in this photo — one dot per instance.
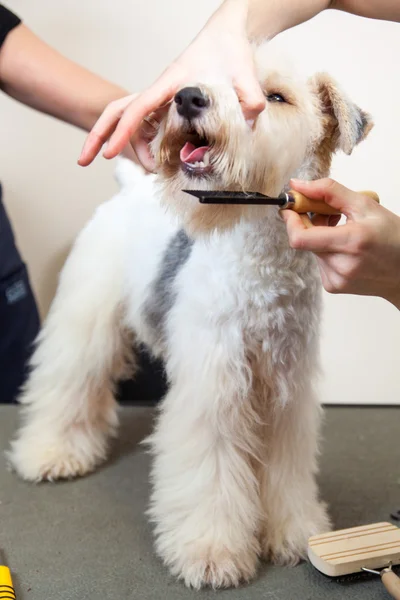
[213, 156]
[205, 155]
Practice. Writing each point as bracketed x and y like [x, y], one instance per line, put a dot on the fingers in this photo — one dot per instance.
[326, 220]
[102, 129]
[336, 195]
[122, 118]
[316, 239]
[326, 242]
[142, 150]
[129, 122]
[141, 139]
[152, 99]
[250, 96]
[128, 152]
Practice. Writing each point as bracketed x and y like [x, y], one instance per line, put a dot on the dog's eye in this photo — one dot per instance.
[275, 98]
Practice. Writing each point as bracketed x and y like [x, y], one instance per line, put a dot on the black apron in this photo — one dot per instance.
[19, 318]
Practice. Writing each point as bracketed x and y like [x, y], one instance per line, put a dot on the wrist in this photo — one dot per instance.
[231, 15]
[264, 19]
[253, 18]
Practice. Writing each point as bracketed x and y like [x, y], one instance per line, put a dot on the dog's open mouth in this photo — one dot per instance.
[195, 155]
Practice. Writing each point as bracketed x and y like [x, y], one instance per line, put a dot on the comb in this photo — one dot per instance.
[213, 197]
[291, 199]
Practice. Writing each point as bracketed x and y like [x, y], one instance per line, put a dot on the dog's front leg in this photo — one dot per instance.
[205, 501]
[68, 407]
[291, 505]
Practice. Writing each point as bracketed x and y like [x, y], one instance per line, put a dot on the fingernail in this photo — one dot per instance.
[298, 181]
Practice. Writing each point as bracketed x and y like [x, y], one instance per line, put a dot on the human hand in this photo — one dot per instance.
[221, 48]
[359, 257]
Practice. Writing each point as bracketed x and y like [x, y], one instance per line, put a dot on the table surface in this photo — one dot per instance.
[89, 538]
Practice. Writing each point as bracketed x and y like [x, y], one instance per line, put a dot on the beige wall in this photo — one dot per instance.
[49, 197]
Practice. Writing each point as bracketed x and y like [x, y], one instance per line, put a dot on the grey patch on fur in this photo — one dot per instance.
[162, 295]
[362, 122]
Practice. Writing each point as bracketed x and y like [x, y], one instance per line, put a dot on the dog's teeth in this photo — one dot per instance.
[206, 159]
[199, 164]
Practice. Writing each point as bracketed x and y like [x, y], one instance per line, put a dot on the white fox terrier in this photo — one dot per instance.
[234, 312]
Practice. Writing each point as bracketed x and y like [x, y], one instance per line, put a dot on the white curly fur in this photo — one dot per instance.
[235, 444]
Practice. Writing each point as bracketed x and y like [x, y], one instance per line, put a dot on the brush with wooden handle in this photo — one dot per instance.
[303, 205]
[291, 200]
[350, 554]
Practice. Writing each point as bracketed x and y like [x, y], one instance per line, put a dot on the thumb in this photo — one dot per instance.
[144, 154]
[345, 201]
[250, 95]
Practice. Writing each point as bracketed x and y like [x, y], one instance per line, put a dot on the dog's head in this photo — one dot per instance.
[204, 141]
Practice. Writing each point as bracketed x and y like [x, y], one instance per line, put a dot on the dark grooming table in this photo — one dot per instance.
[89, 539]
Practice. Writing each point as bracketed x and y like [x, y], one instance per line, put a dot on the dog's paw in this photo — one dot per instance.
[216, 569]
[286, 543]
[49, 457]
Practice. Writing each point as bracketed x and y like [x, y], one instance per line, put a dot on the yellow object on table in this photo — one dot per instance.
[6, 585]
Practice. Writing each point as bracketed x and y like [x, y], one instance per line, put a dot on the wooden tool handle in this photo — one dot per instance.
[391, 583]
[306, 205]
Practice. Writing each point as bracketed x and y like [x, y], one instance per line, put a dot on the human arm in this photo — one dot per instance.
[360, 257]
[267, 18]
[39, 76]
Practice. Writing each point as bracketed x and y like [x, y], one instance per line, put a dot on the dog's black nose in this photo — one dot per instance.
[190, 102]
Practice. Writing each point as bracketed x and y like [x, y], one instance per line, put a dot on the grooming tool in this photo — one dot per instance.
[389, 580]
[6, 586]
[288, 200]
[359, 551]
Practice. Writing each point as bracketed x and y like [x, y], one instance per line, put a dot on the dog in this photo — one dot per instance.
[217, 293]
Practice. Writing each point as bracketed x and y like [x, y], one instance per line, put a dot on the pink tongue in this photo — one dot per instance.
[191, 154]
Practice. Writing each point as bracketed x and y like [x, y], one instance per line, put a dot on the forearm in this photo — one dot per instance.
[374, 9]
[267, 18]
[37, 75]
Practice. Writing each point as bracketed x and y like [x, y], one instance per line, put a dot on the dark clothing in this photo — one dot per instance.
[19, 318]
[7, 22]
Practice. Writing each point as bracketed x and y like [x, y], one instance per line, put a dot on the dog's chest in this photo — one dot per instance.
[253, 279]
[259, 271]
[248, 280]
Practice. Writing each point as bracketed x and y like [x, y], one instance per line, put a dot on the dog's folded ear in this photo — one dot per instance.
[352, 124]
